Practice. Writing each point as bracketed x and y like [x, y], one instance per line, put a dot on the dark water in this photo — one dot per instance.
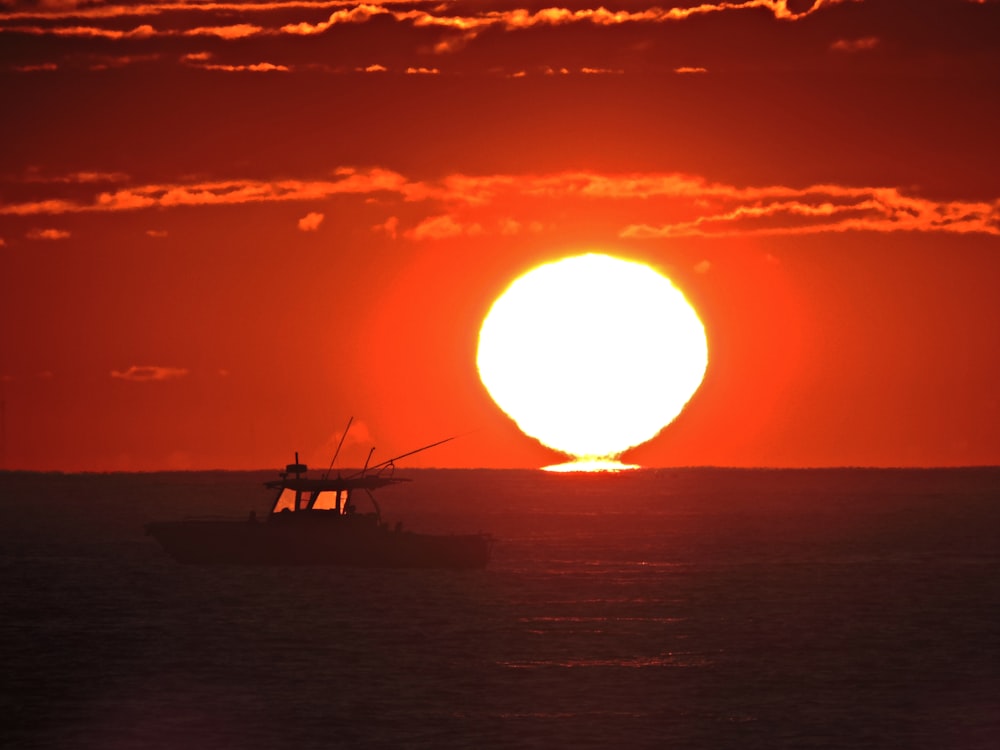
[671, 609]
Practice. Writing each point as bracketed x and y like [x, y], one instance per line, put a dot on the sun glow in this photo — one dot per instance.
[592, 355]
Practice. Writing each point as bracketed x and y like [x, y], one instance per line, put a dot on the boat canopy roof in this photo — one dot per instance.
[333, 484]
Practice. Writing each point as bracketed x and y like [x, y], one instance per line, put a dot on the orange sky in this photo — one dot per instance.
[225, 230]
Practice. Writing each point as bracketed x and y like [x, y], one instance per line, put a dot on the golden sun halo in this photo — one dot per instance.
[592, 355]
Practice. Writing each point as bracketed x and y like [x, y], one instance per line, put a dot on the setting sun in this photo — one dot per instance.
[592, 354]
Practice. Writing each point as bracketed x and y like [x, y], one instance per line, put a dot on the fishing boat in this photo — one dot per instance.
[315, 521]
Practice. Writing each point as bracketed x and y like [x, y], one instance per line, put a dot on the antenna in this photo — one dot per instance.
[337, 452]
[365, 469]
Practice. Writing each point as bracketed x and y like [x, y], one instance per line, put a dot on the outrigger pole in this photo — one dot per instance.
[392, 460]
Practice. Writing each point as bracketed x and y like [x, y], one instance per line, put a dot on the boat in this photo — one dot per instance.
[315, 521]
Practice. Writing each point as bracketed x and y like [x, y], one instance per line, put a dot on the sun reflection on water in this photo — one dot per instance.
[591, 465]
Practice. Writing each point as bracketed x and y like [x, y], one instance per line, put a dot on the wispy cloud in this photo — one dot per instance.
[149, 373]
[522, 18]
[444, 16]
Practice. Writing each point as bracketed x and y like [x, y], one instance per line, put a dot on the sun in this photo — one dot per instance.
[592, 355]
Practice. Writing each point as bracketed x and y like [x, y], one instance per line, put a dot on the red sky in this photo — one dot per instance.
[226, 229]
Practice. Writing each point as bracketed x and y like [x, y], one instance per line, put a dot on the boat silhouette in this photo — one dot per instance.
[315, 521]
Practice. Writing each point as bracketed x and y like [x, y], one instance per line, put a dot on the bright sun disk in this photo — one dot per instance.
[592, 355]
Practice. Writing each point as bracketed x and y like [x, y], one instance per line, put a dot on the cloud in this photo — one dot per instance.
[310, 222]
[824, 208]
[144, 31]
[107, 62]
[855, 45]
[263, 67]
[49, 66]
[688, 69]
[235, 31]
[460, 204]
[443, 16]
[48, 234]
[510, 226]
[149, 373]
[156, 233]
[453, 43]
[389, 226]
[704, 208]
[358, 14]
[442, 227]
[422, 71]
[75, 178]
[358, 435]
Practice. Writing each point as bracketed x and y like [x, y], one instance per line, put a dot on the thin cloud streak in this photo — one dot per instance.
[855, 45]
[220, 192]
[149, 373]
[53, 11]
[264, 67]
[82, 178]
[460, 204]
[829, 208]
[48, 234]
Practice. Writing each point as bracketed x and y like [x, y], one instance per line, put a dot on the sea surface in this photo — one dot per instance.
[690, 608]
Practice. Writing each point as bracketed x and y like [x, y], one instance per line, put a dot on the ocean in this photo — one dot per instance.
[683, 608]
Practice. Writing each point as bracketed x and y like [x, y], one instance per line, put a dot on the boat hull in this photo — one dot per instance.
[337, 540]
